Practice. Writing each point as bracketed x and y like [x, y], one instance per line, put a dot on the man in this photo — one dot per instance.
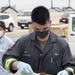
[40, 51]
[5, 43]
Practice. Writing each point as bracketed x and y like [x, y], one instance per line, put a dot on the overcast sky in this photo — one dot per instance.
[30, 4]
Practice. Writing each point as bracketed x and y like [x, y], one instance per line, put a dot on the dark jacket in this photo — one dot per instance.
[56, 55]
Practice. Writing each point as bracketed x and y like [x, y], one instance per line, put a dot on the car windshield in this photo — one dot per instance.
[73, 24]
[4, 17]
[66, 15]
[25, 14]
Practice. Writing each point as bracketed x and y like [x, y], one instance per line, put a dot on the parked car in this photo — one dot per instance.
[64, 18]
[24, 19]
[8, 20]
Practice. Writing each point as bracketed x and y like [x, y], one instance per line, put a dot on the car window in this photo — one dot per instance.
[25, 14]
[73, 24]
[4, 17]
[66, 15]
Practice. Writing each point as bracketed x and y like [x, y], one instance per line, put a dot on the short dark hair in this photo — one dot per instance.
[40, 15]
[2, 24]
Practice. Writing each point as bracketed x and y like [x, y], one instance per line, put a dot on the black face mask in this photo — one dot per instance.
[41, 34]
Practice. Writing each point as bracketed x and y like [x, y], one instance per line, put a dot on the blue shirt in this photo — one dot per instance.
[5, 43]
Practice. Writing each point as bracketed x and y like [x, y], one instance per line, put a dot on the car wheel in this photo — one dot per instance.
[60, 21]
[22, 27]
[10, 29]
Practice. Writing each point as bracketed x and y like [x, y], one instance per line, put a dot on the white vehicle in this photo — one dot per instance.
[8, 20]
[71, 33]
[24, 19]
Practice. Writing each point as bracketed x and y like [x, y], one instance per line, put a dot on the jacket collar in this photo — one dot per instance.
[52, 37]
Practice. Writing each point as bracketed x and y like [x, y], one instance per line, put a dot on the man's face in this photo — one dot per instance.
[2, 32]
[41, 30]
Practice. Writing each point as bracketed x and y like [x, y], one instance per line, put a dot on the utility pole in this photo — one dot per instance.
[54, 8]
[69, 3]
[69, 7]
[9, 2]
[9, 6]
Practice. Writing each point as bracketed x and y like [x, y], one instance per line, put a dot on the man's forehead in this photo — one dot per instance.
[1, 27]
[40, 26]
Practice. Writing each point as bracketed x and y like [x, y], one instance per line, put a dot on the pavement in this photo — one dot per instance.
[17, 30]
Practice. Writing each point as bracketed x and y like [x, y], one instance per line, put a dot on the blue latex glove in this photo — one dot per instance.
[63, 72]
[25, 68]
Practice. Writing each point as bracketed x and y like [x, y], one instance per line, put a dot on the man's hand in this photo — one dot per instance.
[63, 72]
[25, 68]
